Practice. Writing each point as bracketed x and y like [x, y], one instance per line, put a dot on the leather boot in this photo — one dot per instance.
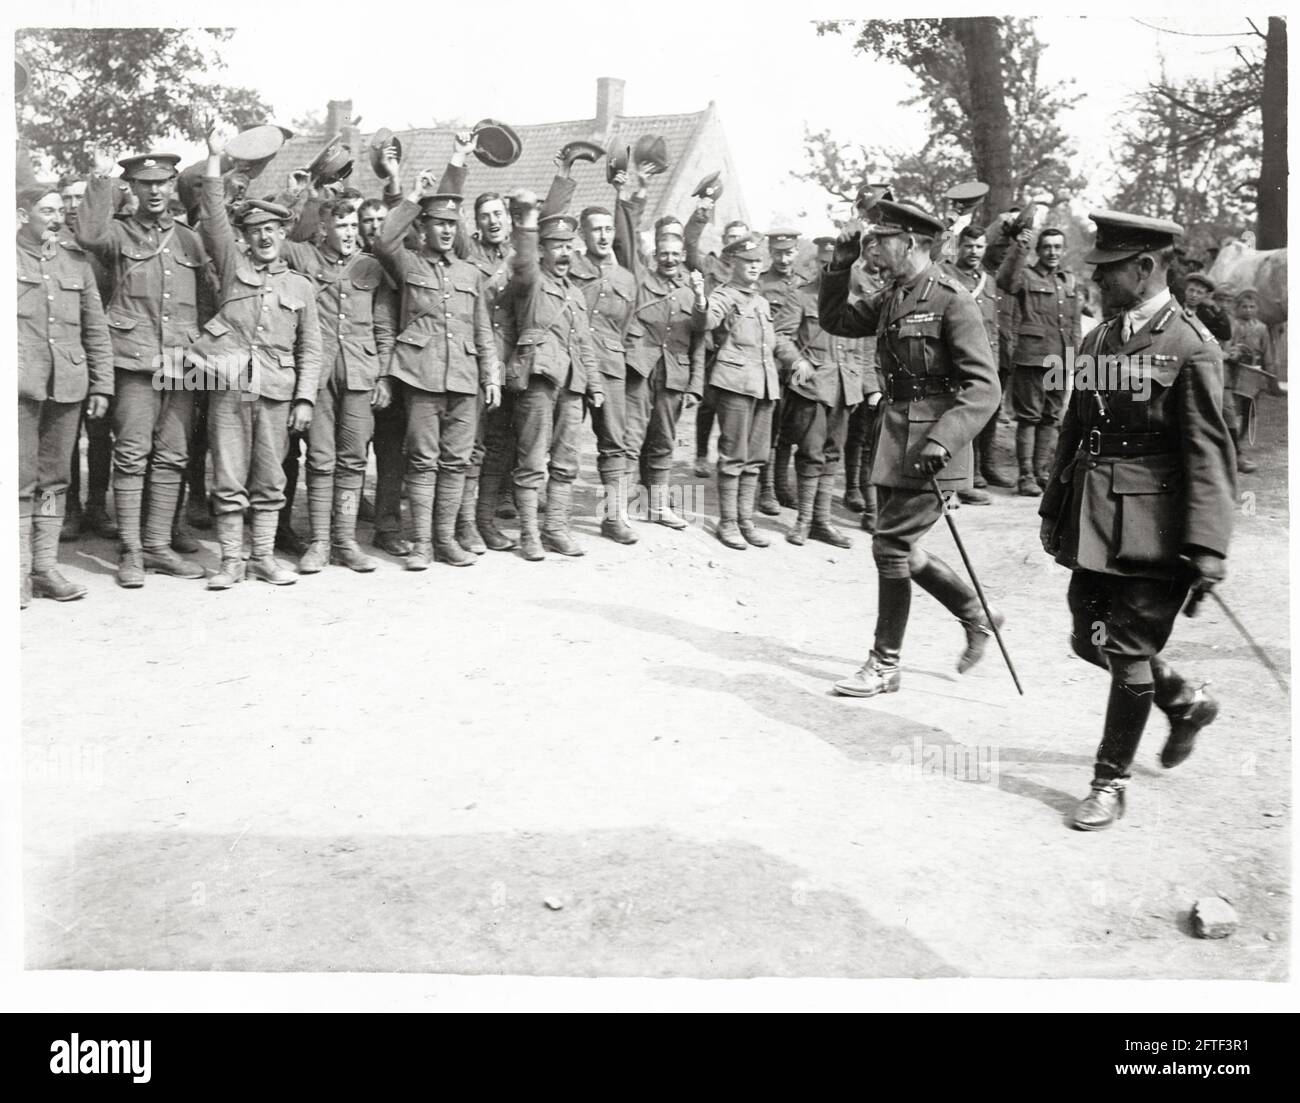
[467, 533]
[446, 512]
[881, 673]
[853, 500]
[230, 538]
[985, 453]
[46, 579]
[183, 541]
[164, 497]
[614, 525]
[1189, 710]
[320, 505]
[767, 503]
[975, 496]
[344, 549]
[785, 494]
[420, 492]
[24, 554]
[262, 564]
[661, 513]
[128, 500]
[808, 489]
[73, 520]
[489, 491]
[870, 509]
[745, 511]
[99, 468]
[1045, 452]
[728, 502]
[1027, 485]
[939, 580]
[506, 507]
[1127, 711]
[822, 528]
[530, 540]
[287, 538]
[556, 536]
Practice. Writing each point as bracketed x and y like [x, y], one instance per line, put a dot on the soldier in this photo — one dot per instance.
[65, 361]
[780, 284]
[551, 368]
[859, 494]
[940, 382]
[1197, 291]
[161, 295]
[968, 267]
[1047, 326]
[370, 220]
[1140, 500]
[1244, 362]
[826, 378]
[444, 356]
[262, 356]
[744, 386]
[357, 308]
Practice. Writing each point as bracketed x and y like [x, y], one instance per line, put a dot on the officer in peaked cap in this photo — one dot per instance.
[940, 382]
[1140, 500]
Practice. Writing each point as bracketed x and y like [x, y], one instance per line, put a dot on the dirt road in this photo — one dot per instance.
[631, 764]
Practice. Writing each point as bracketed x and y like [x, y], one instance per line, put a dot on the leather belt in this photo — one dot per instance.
[910, 388]
[1126, 445]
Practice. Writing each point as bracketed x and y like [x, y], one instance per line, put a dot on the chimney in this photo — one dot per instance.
[609, 103]
[338, 114]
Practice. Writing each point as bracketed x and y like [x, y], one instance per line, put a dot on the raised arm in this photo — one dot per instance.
[1011, 272]
[95, 215]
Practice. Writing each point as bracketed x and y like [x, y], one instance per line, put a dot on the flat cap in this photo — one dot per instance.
[150, 166]
[971, 192]
[381, 140]
[749, 247]
[781, 236]
[495, 143]
[669, 224]
[710, 187]
[1120, 236]
[255, 211]
[903, 218]
[1203, 280]
[445, 206]
[557, 227]
[653, 149]
[580, 150]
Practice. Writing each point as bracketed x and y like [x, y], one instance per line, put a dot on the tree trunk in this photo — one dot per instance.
[1271, 233]
[981, 41]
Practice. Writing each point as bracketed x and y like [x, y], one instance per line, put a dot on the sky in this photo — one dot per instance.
[764, 65]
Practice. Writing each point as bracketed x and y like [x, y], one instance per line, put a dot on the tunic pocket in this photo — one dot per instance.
[1150, 527]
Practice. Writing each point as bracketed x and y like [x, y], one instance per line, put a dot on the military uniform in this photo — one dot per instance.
[859, 494]
[551, 368]
[775, 490]
[162, 293]
[984, 290]
[358, 312]
[716, 273]
[940, 384]
[816, 412]
[1141, 486]
[262, 354]
[444, 355]
[64, 353]
[1244, 367]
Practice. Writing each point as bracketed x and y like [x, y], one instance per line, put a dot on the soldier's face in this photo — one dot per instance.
[493, 222]
[1193, 295]
[264, 240]
[557, 256]
[970, 252]
[1051, 248]
[668, 257]
[736, 233]
[440, 234]
[746, 272]
[598, 235]
[153, 195]
[371, 222]
[341, 235]
[45, 218]
[783, 259]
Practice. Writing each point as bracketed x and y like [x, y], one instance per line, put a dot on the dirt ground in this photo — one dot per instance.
[632, 764]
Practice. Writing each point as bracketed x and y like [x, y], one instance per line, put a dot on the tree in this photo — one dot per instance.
[122, 89]
[1273, 166]
[992, 114]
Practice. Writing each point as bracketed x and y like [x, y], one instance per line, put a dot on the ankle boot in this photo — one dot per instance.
[1127, 711]
[320, 506]
[728, 511]
[507, 508]
[530, 540]
[767, 503]
[614, 525]
[808, 489]
[263, 564]
[661, 512]
[881, 673]
[344, 549]
[1027, 485]
[870, 509]
[164, 498]
[939, 580]
[46, 579]
[420, 491]
[822, 528]
[556, 536]
[467, 533]
[489, 490]
[230, 537]
[446, 513]
[1044, 452]
[853, 500]
[1189, 710]
[128, 501]
[748, 492]
[785, 495]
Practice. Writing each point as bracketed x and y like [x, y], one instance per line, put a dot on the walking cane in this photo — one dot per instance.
[979, 590]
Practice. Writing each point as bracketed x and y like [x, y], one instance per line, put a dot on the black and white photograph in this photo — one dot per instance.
[625, 493]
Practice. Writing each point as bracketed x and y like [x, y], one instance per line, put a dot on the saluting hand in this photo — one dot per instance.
[931, 459]
[848, 244]
[300, 417]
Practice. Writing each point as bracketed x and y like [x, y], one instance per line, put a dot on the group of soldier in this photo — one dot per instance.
[468, 361]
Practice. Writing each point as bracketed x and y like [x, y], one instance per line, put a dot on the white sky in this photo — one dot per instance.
[763, 63]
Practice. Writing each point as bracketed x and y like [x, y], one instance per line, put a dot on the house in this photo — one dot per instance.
[696, 145]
